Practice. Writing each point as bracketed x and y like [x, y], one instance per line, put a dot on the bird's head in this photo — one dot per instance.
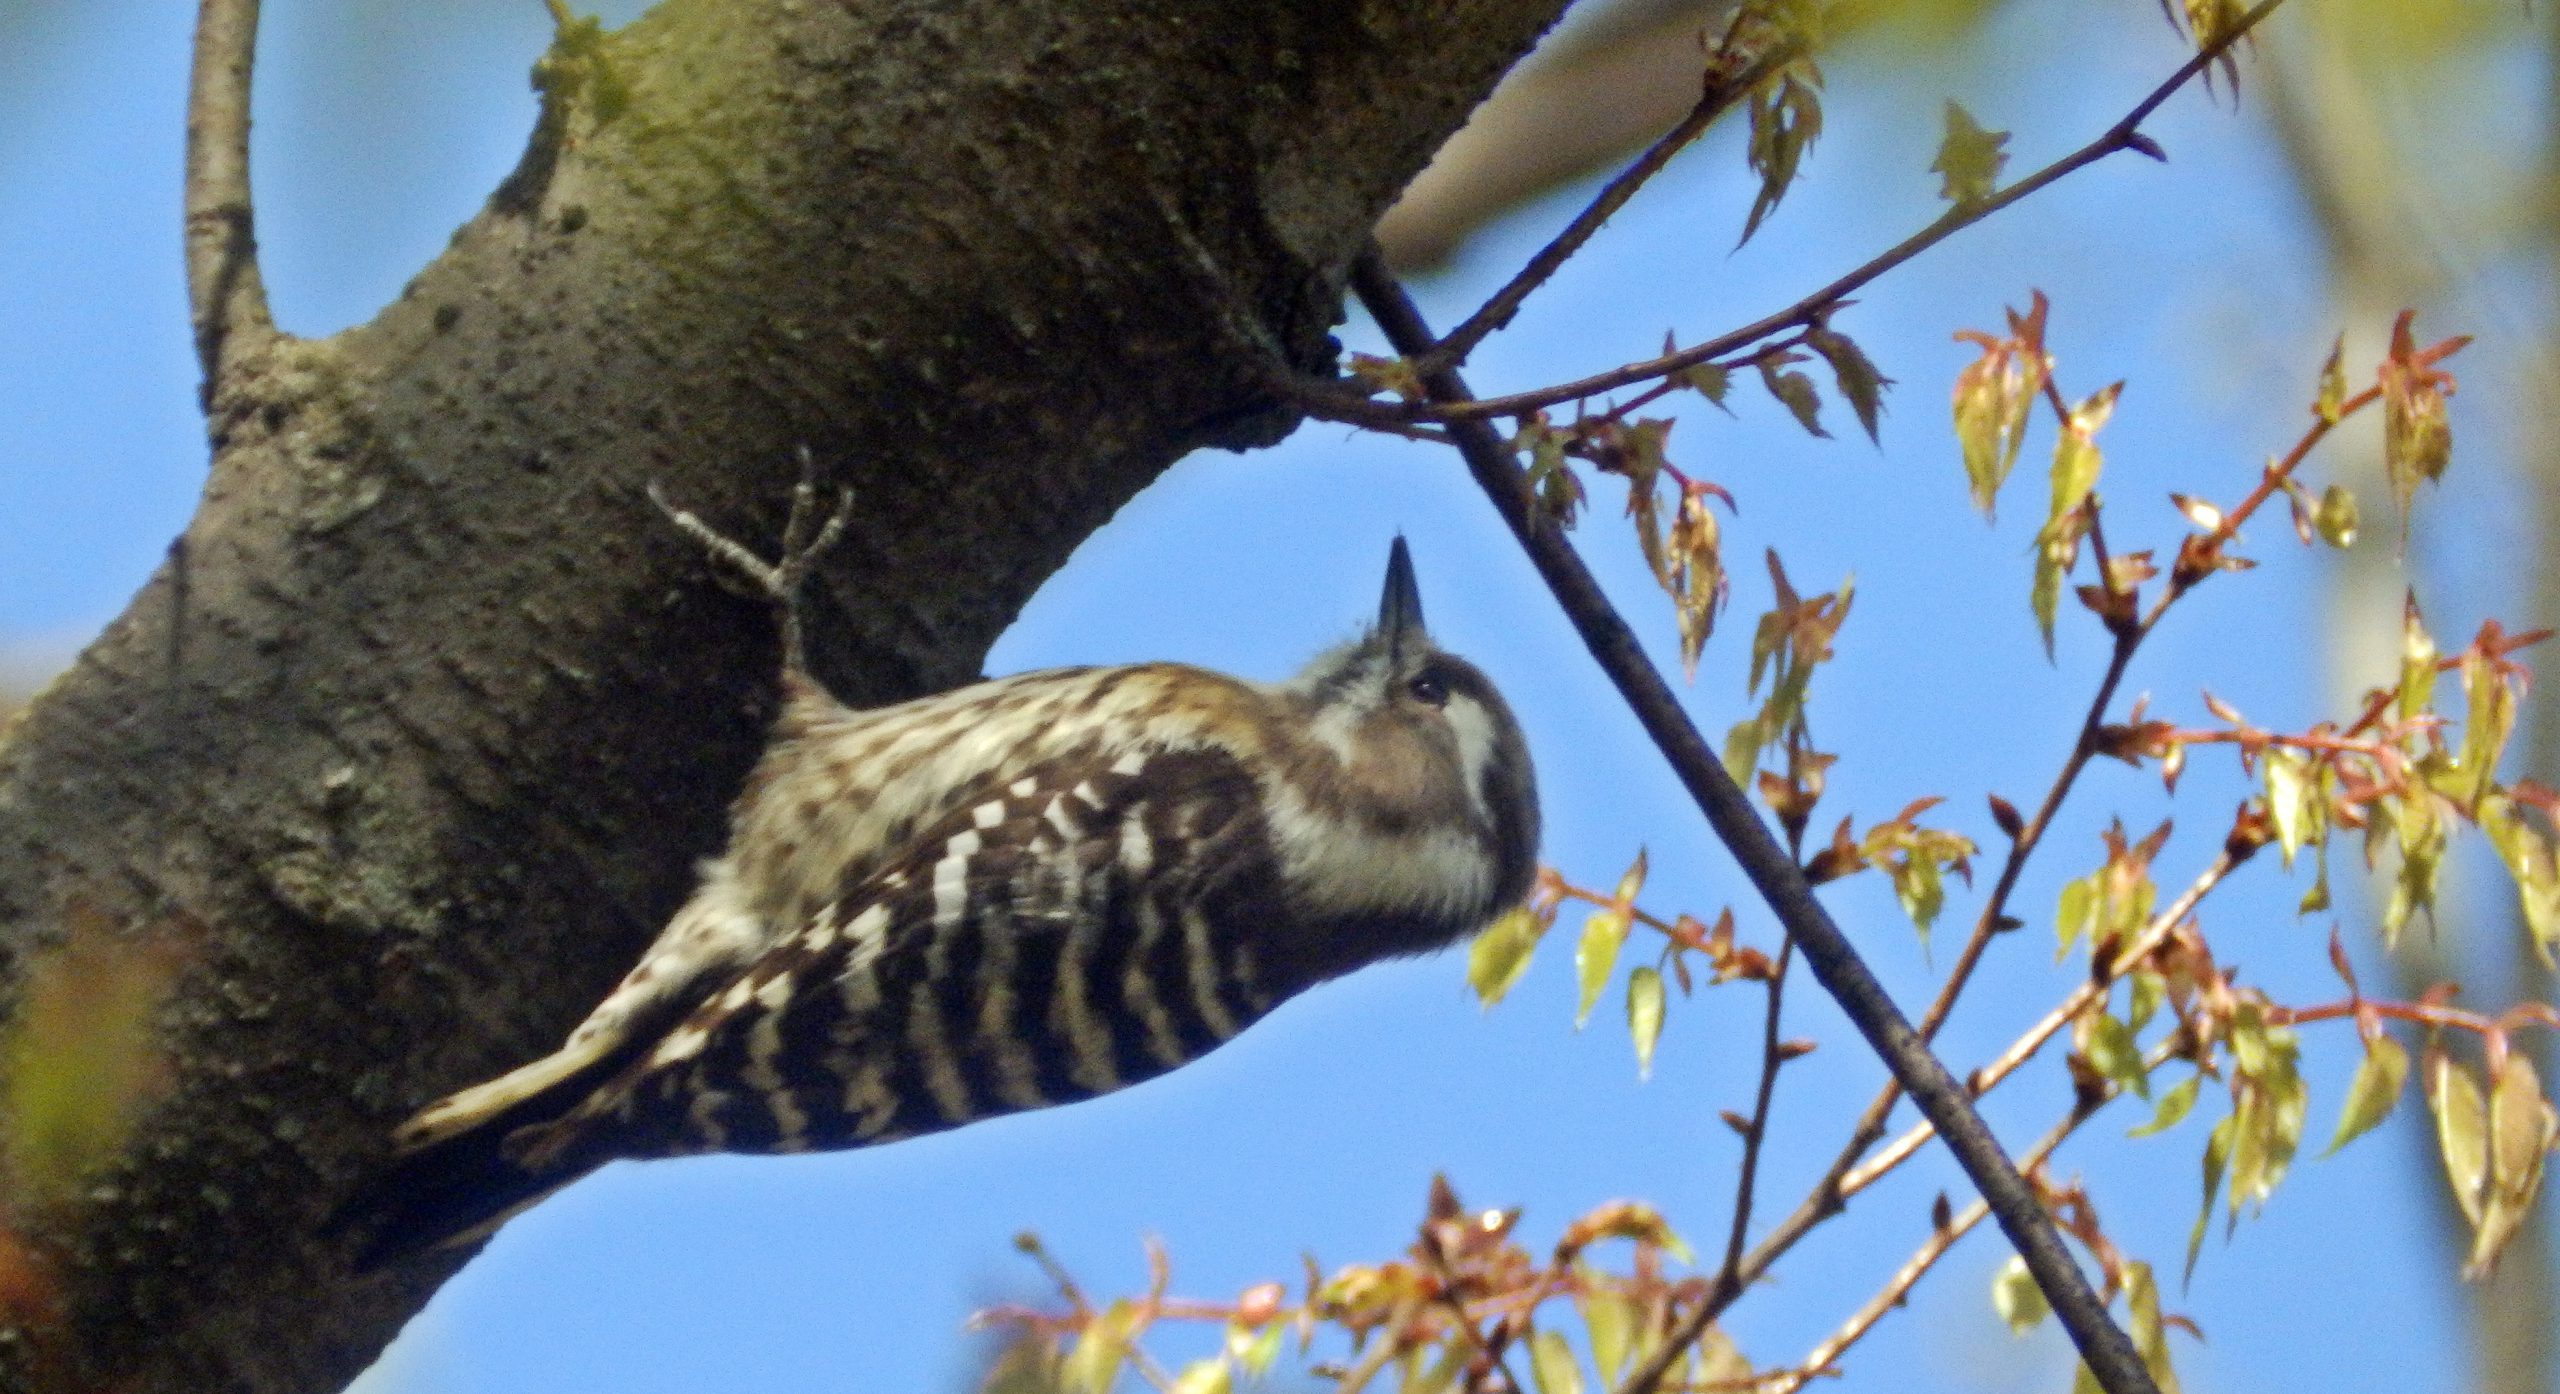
[1422, 748]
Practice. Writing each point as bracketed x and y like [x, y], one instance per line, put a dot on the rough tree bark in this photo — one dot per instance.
[420, 727]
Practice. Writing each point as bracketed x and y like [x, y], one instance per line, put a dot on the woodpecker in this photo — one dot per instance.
[1017, 894]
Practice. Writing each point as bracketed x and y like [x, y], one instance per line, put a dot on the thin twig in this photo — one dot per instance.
[2125, 134]
[1995, 908]
[1719, 97]
[1897, 1289]
[1774, 874]
[2088, 994]
[226, 298]
[1989, 924]
[1855, 1176]
[1772, 1058]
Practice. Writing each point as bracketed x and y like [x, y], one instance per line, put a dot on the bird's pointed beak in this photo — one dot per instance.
[1400, 608]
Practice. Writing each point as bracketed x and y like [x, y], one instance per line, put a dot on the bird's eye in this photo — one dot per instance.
[1428, 690]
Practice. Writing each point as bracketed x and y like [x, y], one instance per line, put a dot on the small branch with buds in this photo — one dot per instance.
[1772, 872]
[227, 299]
[1329, 401]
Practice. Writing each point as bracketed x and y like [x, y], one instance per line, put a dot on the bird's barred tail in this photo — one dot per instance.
[454, 1181]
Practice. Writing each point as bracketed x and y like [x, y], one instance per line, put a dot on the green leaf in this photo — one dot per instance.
[1644, 1015]
[2417, 662]
[2076, 914]
[2114, 1054]
[1613, 1319]
[2150, 1334]
[1094, 1363]
[2521, 1127]
[2019, 1303]
[1969, 158]
[1798, 394]
[2316, 898]
[2286, 794]
[1501, 954]
[2332, 405]
[2337, 517]
[1742, 747]
[2533, 863]
[2076, 461]
[1205, 1377]
[1631, 881]
[1256, 1350]
[2173, 1108]
[2420, 829]
[2149, 990]
[1596, 957]
[1441, 1377]
[2271, 1113]
[2488, 721]
[2076, 466]
[2462, 1130]
[1708, 380]
[1786, 119]
[2371, 1094]
[1857, 377]
[2217, 1154]
[83, 1055]
[1552, 1366]
[1026, 1365]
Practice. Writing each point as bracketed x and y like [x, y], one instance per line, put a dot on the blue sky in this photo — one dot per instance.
[381, 127]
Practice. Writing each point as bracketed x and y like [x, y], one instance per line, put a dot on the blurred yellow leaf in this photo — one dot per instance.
[1501, 954]
[2016, 1299]
[1969, 158]
[1552, 1366]
[82, 1056]
[1644, 1015]
[2374, 1090]
[1596, 957]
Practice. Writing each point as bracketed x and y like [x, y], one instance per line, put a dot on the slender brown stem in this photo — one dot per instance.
[2429, 1015]
[1722, 91]
[1772, 1058]
[227, 300]
[2125, 134]
[1897, 1289]
[1850, 1175]
[1995, 908]
[2024, 1048]
[1774, 874]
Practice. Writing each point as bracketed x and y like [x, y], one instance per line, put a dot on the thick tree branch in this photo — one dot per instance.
[1775, 875]
[227, 299]
[419, 732]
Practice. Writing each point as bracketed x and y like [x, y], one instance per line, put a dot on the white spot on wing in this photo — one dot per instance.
[1137, 848]
[951, 880]
[1058, 819]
